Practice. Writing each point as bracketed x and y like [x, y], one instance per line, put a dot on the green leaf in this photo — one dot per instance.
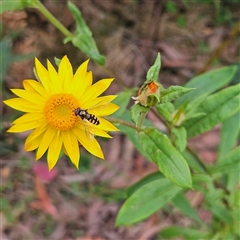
[57, 61]
[193, 118]
[172, 93]
[202, 178]
[166, 110]
[189, 233]
[136, 111]
[191, 108]
[182, 203]
[199, 182]
[179, 116]
[7, 5]
[229, 134]
[233, 179]
[170, 162]
[193, 162]
[122, 100]
[234, 201]
[182, 21]
[219, 211]
[149, 178]
[229, 162]
[82, 38]
[180, 136]
[171, 7]
[153, 71]
[214, 195]
[217, 107]
[146, 200]
[207, 83]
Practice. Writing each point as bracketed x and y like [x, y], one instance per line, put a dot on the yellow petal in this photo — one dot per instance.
[109, 109]
[54, 151]
[34, 86]
[22, 127]
[106, 125]
[23, 105]
[45, 142]
[83, 84]
[93, 147]
[96, 89]
[98, 102]
[55, 81]
[30, 96]
[43, 75]
[29, 117]
[97, 131]
[80, 75]
[65, 73]
[64, 150]
[71, 146]
[101, 133]
[34, 144]
[28, 87]
[35, 134]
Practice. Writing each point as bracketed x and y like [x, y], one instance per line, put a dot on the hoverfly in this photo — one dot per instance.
[88, 119]
[83, 114]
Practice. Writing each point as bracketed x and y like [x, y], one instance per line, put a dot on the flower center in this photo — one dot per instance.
[59, 111]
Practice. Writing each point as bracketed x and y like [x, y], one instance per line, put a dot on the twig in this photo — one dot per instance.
[117, 120]
[220, 48]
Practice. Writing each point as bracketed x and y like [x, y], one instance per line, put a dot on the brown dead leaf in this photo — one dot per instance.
[93, 218]
[44, 202]
[172, 53]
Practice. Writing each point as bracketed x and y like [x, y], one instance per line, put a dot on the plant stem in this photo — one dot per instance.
[67, 33]
[52, 19]
[220, 48]
[117, 120]
[141, 119]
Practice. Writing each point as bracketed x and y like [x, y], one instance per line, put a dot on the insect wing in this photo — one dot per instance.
[96, 109]
[100, 106]
[88, 130]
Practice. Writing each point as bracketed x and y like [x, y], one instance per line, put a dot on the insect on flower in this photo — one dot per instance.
[83, 114]
[63, 110]
[87, 118]
[90, 120]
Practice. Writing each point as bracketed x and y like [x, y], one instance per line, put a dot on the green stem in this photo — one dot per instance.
[52, 19]
[67, 33]
[141, 118]
[117, 120]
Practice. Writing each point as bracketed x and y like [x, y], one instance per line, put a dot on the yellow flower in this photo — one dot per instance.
[50, 111]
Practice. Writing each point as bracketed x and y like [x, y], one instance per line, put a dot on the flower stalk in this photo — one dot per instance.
[52, 19]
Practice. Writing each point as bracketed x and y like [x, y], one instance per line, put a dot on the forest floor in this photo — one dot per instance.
[70, 204]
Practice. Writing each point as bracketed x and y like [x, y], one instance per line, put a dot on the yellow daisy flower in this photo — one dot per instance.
[64, 110]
